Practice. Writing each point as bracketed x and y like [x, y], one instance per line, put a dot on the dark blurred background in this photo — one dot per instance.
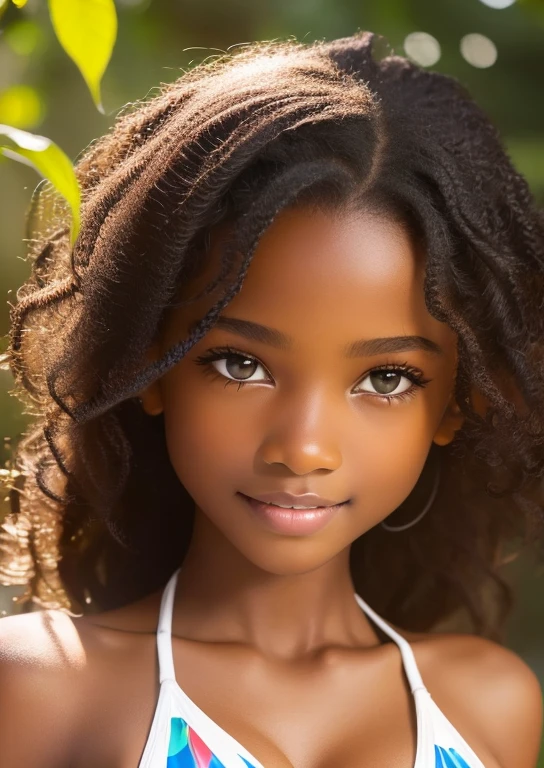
[495, 48]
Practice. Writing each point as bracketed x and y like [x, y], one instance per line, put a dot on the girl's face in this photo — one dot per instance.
[302, 402]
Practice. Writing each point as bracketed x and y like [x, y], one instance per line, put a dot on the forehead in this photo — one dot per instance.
[320, 274]
[336, 256]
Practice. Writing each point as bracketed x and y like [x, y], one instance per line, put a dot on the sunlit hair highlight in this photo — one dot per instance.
[97, 512]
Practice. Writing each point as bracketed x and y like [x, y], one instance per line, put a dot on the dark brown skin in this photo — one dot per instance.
[268, 639]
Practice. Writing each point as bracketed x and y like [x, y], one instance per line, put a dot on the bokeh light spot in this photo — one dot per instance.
[499, 4]
[24, 37]
[478, 50]
[21, 107]
[422, 48]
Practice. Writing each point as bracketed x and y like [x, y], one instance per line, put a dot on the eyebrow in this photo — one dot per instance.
[361, 348]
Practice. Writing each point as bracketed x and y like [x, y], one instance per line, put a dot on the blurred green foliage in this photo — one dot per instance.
[41, 91]
[86, 29]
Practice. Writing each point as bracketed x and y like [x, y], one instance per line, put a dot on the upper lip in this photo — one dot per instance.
[286, 499]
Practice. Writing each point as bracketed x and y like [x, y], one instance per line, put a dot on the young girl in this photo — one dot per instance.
[288, 391]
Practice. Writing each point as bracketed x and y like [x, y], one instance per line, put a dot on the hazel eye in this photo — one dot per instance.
[386, 382]
[232, 366]
[237, 367]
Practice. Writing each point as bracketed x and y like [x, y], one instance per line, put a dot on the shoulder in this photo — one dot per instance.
[64, 678]
[40, 653]
[43, 638]
[488, 686]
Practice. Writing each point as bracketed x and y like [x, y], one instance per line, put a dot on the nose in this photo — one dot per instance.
[303, 436]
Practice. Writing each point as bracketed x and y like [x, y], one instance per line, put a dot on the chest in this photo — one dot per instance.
[348, 710]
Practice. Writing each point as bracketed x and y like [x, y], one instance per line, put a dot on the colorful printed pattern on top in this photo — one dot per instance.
[449, 758]
[187, 750]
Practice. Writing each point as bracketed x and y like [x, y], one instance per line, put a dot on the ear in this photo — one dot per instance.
[453, 419]
[151, 396]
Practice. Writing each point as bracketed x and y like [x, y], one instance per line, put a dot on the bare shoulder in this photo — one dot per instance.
[64, 679]
[43, 638]
[40, 653]
[487, 685]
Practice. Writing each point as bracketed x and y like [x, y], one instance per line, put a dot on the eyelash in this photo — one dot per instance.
[222, 353]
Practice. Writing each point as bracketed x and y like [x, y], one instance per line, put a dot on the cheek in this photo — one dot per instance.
[384, 468]
[208, 442]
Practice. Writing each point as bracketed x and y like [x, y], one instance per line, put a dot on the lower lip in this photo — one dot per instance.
[293, 522]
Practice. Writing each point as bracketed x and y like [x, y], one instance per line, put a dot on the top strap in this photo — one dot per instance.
[166, 657]
[164, 631]
[407, 654]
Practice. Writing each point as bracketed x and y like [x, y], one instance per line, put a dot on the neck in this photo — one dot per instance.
[223, 597]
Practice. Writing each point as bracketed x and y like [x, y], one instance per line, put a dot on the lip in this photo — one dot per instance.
[310, 500]
[293, 522]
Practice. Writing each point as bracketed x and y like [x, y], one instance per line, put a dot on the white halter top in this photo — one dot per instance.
[183, 736]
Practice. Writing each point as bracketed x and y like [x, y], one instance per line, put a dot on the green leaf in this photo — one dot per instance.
[49, 160]
[87, 30]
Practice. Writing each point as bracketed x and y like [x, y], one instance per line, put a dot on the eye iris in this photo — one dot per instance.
[392, 381]
[242, 362]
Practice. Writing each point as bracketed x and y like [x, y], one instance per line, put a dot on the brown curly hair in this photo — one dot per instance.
[97, 513]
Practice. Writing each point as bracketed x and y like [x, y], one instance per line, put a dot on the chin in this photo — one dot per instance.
[292, 557]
